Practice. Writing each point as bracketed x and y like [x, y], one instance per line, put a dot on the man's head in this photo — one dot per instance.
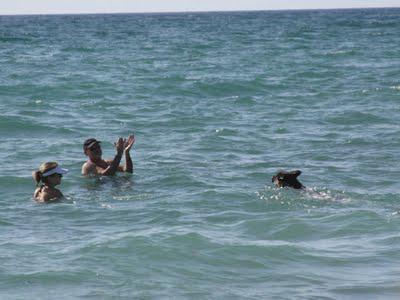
[287, 179]
[92, 149]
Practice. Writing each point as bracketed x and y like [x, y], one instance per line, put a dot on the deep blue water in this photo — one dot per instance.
[218, 103]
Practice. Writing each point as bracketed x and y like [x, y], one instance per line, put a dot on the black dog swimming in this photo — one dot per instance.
[288, 179]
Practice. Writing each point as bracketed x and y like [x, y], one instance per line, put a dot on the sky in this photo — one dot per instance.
[12, 7]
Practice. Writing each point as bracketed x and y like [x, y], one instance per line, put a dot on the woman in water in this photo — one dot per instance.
[47, 178]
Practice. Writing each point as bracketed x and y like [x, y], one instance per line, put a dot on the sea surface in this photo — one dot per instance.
[218, 102]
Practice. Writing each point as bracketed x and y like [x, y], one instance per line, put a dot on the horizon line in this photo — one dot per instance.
[195, 11]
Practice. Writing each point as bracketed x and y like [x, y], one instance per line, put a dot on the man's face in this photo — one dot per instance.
[94, 151]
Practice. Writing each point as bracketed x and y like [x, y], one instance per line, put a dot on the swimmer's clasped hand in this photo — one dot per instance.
[129, 143]
[119, 145]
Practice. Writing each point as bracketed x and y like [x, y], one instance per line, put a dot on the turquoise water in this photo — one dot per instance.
[218, 103]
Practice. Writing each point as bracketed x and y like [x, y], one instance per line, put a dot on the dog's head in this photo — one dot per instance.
[287, 179]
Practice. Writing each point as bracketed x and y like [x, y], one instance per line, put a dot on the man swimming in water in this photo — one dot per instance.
[97, 166]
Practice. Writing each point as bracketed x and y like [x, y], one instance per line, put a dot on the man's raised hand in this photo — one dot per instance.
[119, 145]
[129, 143]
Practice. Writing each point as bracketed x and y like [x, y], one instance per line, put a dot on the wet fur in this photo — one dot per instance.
[287, 179]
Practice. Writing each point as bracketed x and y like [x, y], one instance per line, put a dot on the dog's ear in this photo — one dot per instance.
[297, 173]
[291, 174]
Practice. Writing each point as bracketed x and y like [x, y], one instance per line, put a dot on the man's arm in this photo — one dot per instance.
[128, 163]
[113, 167]
[128, 160]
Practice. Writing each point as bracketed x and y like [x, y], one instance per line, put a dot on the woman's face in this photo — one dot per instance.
[54, 179]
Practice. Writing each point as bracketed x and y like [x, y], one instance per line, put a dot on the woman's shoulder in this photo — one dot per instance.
[36, 194]
[45, 194]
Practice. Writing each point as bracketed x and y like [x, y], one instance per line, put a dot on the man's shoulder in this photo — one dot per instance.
[88, 167]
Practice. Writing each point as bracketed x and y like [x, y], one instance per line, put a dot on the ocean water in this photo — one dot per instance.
[218, 103]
